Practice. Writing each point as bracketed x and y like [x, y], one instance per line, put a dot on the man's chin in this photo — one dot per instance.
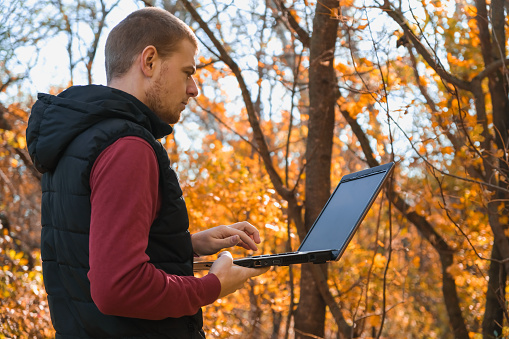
[169, 117]
[173, 120]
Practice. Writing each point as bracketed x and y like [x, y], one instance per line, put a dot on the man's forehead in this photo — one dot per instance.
[190, 50]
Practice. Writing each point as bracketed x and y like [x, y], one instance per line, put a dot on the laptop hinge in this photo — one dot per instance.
[363, 175]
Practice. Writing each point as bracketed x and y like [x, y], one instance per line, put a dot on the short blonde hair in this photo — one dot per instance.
[142, 28]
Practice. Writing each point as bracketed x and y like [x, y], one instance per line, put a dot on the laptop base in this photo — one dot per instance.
[282, 259]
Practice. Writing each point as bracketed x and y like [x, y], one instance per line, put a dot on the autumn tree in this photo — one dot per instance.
[23, 306]
[438, 147]
[25, 27]
[471, 115]
[322, 94]
[82, 22]
[296, 94]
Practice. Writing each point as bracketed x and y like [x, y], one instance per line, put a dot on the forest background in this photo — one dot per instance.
[294, 95]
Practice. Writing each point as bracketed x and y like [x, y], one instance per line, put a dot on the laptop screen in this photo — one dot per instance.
[343, 212]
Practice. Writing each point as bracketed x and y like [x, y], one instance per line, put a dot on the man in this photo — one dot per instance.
[116, 250]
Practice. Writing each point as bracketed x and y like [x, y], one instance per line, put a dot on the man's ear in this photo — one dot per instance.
[148, 61]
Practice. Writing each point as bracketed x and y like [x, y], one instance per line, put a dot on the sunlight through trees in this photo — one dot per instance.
[294, 94]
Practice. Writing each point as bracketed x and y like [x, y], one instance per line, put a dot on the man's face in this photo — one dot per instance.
[173, 84]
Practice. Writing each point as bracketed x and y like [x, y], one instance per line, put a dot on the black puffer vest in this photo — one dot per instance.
[65, 134]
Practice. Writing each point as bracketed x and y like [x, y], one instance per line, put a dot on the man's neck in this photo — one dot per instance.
[129, 84]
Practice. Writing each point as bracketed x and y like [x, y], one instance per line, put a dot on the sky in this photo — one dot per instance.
[54, 59]
[52, 69]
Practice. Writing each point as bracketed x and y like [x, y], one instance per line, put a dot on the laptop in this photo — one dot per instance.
[335, 226]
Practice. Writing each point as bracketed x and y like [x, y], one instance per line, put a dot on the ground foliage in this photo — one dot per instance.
[422, 83]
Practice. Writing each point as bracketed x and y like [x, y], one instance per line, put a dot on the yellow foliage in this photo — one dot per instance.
[379, 261]
[447, 150]
[23, 306]
[225, 181]
[416, 261]
[500, 153]
[503, 219]
[21, 142]
[477, 133]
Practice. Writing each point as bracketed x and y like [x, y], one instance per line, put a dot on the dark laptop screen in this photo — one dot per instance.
[343, 212]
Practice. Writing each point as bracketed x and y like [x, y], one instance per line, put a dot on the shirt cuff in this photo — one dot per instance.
[212, 282]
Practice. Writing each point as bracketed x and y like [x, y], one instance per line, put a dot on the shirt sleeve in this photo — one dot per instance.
[125, 200]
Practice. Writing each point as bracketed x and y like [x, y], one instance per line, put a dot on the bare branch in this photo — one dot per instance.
[253, 119]
[230, 128]
[323, 287]
[303, 36]
[432, 61]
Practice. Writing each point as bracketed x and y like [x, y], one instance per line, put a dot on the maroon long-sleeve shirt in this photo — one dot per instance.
[125, 200]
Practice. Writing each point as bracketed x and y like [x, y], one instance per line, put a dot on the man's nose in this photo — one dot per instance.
[192, 89]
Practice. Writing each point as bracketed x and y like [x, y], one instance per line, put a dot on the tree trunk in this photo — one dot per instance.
[494, 50]
[310, 314]
[451, 298]
[276, 324]
[495, 298]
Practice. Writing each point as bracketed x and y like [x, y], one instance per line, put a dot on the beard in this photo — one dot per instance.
[154, 95]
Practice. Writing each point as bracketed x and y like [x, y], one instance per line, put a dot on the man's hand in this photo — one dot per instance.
[215, 239]
[232, 277]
